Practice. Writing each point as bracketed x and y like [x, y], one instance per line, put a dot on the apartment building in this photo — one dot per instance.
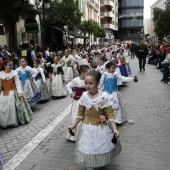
[109, 17]
[92, 10]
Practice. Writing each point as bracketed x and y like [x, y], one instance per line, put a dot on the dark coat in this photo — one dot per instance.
[142, 51]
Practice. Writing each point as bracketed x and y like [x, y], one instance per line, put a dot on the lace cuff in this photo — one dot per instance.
[79, 117]
[111, 120]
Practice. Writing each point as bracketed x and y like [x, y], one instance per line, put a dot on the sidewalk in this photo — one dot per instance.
[146, 144]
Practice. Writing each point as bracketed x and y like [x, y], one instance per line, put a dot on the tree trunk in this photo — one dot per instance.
[84, 38]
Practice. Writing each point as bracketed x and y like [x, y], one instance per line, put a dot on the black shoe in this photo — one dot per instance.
[140, 69]
[143, 69]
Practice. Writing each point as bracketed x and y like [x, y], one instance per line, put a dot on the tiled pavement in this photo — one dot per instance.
[146, 144]
[14, 139]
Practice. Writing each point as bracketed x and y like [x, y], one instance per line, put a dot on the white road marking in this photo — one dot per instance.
[24, 152]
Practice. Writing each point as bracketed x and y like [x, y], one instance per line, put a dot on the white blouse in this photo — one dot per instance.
[76, 82]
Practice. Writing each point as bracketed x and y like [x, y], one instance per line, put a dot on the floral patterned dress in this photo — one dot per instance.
[13, 110]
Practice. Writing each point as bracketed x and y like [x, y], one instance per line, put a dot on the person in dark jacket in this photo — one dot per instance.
[142, 52]
[132, 50]
[28, 53]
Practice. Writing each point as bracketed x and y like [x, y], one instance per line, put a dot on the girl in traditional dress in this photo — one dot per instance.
[58, 87]
[26, 76]
[102, 64]
[40, 80]
[123, 61]
[108, 83]
[68, 62]
[117, 62]
[78, 84]
[95, 147]
[14, 109]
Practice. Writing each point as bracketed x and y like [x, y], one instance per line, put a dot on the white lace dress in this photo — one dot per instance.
[94, 147]
[77, 84]
[58, 87]
[68, 70]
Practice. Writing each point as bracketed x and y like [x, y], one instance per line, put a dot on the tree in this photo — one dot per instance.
[161, 20]
[100, 32]
[64, 13]
[91, 27]
[9, 10]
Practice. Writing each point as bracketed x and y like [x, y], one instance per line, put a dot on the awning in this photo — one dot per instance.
[75, 34]
[31, 28]
[57, 28]
[1, 30]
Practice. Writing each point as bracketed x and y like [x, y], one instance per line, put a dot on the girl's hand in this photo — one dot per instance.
[20, 96]
[70, 131]
[31, 78]
[135, 79]
[63, 79]
[72, 95]
[116, 133]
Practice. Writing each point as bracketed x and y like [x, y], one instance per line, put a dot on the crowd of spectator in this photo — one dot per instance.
[159, 56]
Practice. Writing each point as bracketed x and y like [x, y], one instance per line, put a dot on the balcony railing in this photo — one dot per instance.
[107, 14]
[107, 2]
[110, 26]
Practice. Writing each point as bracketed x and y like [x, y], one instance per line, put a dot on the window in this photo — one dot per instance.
[132, 23]
[132, 3]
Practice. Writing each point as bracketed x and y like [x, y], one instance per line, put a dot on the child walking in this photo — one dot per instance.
[14, 109]
[102, 64]
[108, 83]
[40, 80]
[26, 76]
[78, 84]
[95, 146]
[58, 87]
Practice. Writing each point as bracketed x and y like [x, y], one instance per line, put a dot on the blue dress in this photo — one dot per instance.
[30, 90]
[108, 83]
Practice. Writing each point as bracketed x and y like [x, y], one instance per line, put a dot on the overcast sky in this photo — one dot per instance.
[147, 4]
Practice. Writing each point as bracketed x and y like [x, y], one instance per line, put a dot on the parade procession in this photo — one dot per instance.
[82, 90]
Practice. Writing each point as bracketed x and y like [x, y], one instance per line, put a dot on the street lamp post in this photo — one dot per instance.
[42, 5]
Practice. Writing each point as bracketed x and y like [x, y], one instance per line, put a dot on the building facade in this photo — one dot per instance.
[27, 26]
[130, 27]
[158, 4]
[92, 12]
[109, 17]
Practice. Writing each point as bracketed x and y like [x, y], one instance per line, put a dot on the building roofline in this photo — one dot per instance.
[154, 3]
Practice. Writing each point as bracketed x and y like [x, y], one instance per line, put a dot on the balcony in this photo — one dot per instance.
[93, 4]
[107, 14]
[108, 26]
[106, 3]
